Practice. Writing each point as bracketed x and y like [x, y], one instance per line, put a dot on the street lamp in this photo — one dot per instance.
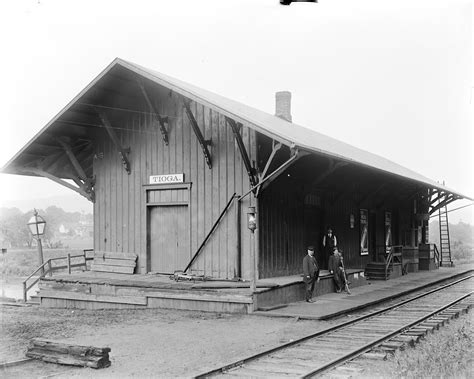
[37, 225]
[252, 225]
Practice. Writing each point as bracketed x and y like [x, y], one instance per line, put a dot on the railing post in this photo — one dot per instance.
[24, 292]
[50, 267]
[69, 263]
[85, 259]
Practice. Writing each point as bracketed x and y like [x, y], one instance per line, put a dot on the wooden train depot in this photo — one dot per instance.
[179, 176]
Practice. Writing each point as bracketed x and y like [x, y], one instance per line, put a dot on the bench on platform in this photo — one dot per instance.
[106, 261]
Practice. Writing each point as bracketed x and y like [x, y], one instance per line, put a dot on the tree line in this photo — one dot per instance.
[14, 232]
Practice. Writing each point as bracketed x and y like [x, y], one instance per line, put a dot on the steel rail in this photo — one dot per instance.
[325, 331]
[370, 345]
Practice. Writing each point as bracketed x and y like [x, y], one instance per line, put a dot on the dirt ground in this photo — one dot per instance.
[170, 343]
[145, 343]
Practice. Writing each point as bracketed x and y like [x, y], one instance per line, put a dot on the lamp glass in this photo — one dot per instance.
[36, 224]
[252, 220]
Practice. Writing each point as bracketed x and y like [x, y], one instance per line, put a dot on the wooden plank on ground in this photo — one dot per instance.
[115, 262]
[137, 300]
[87, 356]
[113, 255]
[109, 268]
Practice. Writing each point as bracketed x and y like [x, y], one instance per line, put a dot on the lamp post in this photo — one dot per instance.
[252, 225]
[37, 225]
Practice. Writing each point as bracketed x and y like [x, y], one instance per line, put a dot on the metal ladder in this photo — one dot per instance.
[445, 246]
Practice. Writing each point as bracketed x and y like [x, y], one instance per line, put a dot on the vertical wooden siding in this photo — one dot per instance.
[282, 245]
[120, 209]
[282, 239]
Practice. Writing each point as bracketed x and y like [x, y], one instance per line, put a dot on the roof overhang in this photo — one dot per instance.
[78, 123]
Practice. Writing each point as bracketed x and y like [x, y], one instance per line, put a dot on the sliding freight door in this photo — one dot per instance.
[168, 230]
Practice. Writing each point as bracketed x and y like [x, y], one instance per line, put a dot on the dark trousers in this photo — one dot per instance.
[339, 279]
[310, 283]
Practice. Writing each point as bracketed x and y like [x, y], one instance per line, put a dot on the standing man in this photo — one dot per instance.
[336, 268]
[329, 244]
[310, 272]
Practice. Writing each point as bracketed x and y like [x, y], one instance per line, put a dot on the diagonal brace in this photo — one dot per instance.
[204, 143]
[236, 127]
[35, 171]
[275, 147]
[123, 152]
[162, 120]
[75, 163]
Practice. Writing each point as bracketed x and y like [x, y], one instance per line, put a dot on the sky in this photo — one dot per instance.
[390, 77]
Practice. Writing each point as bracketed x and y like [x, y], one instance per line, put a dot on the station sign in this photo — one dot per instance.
[167, 179]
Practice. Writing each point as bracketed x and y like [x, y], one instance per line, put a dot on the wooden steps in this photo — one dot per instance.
[105, 261]
[376, 271]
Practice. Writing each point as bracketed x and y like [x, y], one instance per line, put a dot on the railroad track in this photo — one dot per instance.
[373, 334]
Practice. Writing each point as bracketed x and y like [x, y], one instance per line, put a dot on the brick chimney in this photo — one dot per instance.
[283, 105]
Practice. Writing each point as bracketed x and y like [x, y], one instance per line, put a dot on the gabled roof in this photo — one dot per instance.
[288, 133]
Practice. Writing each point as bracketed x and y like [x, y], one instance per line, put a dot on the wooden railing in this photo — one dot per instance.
[48, 268]
[394, 254]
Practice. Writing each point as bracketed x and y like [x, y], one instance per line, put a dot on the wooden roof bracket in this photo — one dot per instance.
[204, 143]
[448, 198]
[80, 190]
[236, 128]
[123, 152]
[84, 182]
[332, 166]
[371, 194]
[294, 156]
[87, 186]
[162, 120]
[275, 147]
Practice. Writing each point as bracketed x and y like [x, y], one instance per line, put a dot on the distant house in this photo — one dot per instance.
[63, 230]
[166, 163]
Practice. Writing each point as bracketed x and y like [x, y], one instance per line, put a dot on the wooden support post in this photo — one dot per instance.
[68, 263]
[253, 264]
[204, 143]
[158, 118]
[123, 152]
[236, 127]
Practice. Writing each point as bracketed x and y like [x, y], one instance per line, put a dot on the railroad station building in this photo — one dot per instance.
[172, 170]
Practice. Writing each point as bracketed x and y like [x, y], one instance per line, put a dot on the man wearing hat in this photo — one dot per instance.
[310, 272]
[329, 244]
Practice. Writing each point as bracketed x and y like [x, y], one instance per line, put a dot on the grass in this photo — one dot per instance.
[447, 353]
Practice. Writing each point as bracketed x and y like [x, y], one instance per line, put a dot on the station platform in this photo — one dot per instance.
[103, 290]
[334, 304]
[278, 297]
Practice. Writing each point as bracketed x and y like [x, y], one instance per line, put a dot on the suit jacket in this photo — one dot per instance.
[310, 266]
[334, 262]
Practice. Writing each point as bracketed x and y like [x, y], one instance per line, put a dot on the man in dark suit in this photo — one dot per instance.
[310, 272]
[336, 268]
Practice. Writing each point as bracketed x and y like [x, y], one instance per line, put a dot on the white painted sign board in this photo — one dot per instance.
[167, 179]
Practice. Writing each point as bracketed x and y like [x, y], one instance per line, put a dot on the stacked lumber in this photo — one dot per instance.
[74, 355]
[105, 261]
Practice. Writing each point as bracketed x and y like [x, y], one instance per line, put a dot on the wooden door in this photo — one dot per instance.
[168, 238]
